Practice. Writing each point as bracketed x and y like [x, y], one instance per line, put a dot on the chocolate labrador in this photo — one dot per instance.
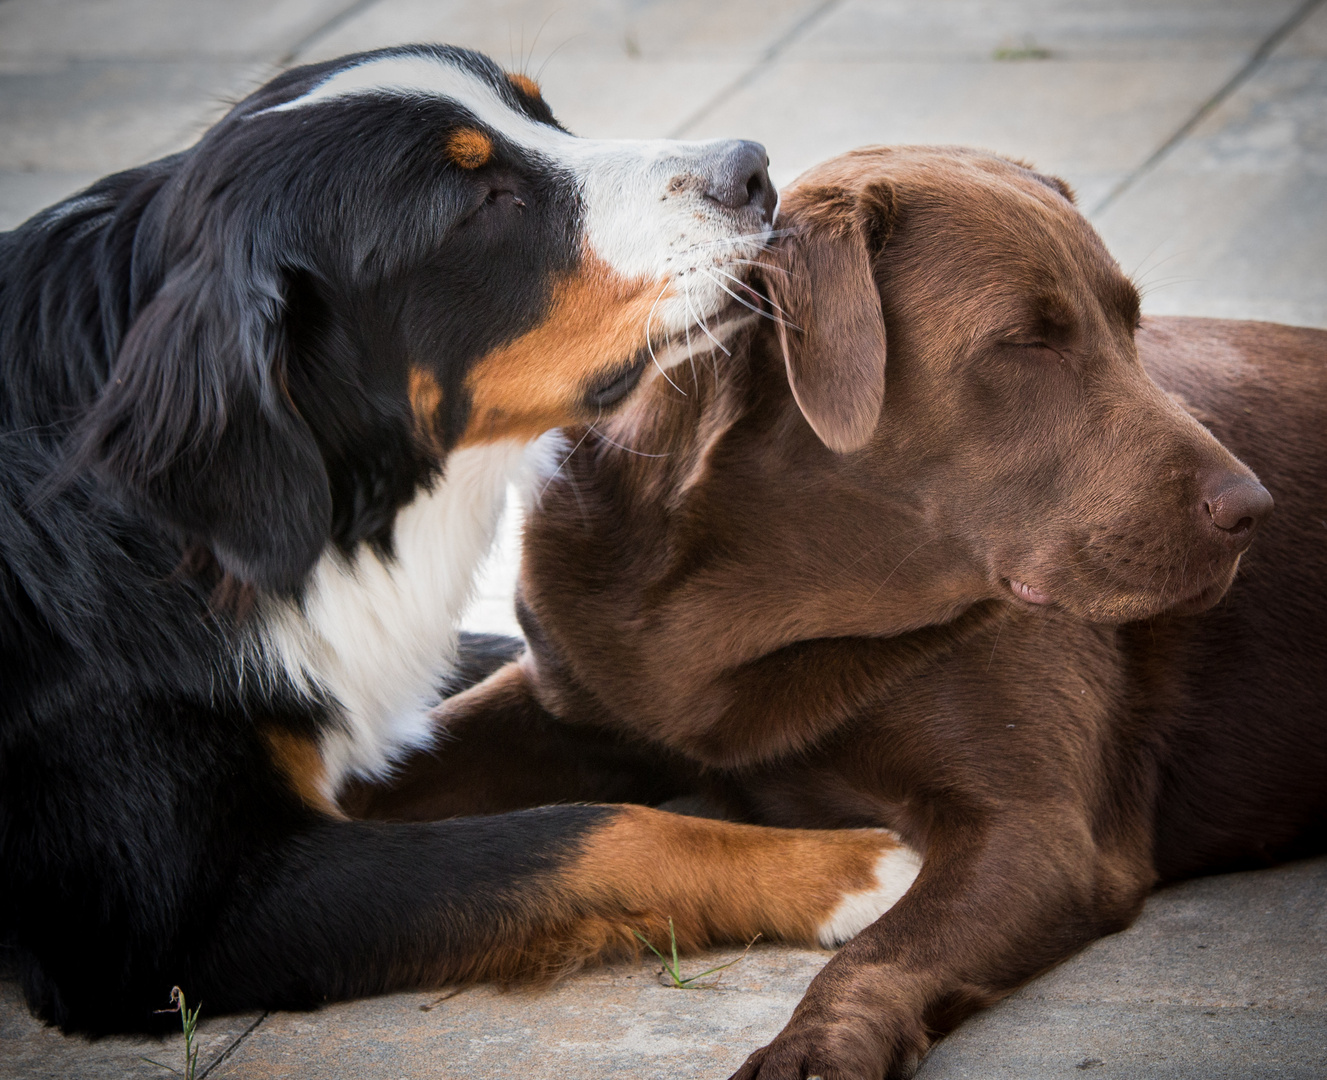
[990, 601]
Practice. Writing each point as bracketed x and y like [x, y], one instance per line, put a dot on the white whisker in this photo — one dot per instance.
[717, 343]
[747, 286]
[649, 343]
[759, 311]
[691, 355]
[628, 449]
[763, 265]
[564, 461]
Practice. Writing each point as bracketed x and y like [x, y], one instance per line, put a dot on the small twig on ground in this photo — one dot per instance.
[678, 981]
[445, 997]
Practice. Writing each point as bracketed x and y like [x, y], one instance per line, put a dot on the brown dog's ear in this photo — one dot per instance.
[835, 345]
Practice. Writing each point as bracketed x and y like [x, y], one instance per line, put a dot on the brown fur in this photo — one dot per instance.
[300, 762]
[596, 321]
[426, 399]
[836, 639]
[469, 148]
[525, 84]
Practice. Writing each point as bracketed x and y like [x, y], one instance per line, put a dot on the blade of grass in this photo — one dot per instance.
[686, 983]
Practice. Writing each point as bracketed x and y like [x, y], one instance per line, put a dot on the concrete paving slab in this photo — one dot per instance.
[151, 30]
[610, 1023]
[974, 30]
[1090, 121]
[32, 1051]
[90, 115]
[22, 194]
[524, 34]
[1233, 222]
[1220, 979]
[1133, 1042]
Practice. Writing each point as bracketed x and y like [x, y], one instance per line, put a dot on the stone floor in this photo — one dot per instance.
[1195, 132]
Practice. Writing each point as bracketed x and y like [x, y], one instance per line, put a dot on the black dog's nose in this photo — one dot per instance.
[1236, 505]
[738, 176]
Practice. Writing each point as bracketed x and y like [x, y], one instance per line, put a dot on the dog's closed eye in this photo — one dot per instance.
[1037, 350]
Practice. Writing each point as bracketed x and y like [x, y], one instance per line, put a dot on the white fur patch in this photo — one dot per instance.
[379, 636]
[895, 872]
[637, 220]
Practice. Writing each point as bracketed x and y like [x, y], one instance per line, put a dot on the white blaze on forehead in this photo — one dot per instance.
[631, 221]
[424, 76]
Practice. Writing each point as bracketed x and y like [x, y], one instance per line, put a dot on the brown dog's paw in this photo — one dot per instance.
[837, 1052]
[856, 1022]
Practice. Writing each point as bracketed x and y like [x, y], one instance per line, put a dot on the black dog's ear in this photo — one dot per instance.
[835, 347]
[196, 428]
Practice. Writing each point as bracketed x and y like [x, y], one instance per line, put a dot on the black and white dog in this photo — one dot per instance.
[261, 402]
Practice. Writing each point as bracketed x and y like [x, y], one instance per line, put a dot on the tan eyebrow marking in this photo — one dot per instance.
[525, 85]
[469, 148]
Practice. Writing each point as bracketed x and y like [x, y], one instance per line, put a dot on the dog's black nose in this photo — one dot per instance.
[1236, 505]
[738, 177]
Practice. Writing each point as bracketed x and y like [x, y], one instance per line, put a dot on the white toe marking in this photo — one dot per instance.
[894, 873]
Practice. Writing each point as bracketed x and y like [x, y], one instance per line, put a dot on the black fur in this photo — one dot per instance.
[204, 366]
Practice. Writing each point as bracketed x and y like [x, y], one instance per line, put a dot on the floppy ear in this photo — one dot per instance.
[835, 349]
[195, 426]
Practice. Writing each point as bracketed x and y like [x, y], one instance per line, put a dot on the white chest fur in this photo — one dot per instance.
[378, 636]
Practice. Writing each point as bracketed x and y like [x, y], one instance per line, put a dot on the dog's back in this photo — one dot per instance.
[1243, 707]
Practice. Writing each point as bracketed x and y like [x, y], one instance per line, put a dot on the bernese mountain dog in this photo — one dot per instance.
[261, 403]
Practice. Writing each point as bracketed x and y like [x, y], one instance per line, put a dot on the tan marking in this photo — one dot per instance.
[720, 883]
[525, 85]
[426, 403]
[595, 325]
[298, 760]
[469, 148]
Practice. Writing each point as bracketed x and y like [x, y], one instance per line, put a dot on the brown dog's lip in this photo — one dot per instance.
[1199, 601]
[1027, 593]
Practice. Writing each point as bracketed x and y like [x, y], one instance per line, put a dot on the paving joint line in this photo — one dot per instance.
[770, 54]
[227, 1053]
[1259, 57]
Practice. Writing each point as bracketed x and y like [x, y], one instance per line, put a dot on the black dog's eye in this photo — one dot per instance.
[489, 201]
[504, 197]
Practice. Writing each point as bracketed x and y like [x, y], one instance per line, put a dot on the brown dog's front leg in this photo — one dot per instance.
[499, 750]
[987, 912]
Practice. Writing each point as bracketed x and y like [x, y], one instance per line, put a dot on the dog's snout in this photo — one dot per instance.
[737, 177]
[1236, 506]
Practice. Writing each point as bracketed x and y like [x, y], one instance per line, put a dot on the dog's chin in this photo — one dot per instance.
[1206, 598]
[1130, 605]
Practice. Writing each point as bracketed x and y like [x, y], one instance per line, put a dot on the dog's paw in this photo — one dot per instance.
[895, 870]
[810, 1052]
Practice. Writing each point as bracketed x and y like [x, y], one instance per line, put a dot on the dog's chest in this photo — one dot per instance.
[378, 636]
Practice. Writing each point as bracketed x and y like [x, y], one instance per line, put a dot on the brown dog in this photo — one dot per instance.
[988, 615]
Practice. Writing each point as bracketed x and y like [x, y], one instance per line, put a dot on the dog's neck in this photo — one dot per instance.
[374, 637]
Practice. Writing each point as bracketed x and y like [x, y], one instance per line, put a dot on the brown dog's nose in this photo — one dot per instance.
[738, 177]
[1236, 505]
